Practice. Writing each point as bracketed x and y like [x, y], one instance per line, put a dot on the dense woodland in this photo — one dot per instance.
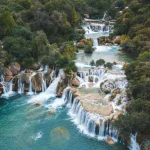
[133, 24]
[43, 31]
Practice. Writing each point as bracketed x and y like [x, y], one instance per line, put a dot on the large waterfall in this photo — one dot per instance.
[88, 123]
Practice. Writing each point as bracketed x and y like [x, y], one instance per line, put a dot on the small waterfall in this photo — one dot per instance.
[134, 145]
[20, 86]
[95, 42]
[11, 85]
[2, 78]
[43, 83]
[46, 68]
[59, 102]
[30, 86]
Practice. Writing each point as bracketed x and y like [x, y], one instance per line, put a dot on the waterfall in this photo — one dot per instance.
[20, 86]
[10, 86]
[59, 102]
[50, 92]
[88, 123]
[134, 145]
[46, 68]
[30, 86]
[43, 82]
[2, 78]
[95, 42]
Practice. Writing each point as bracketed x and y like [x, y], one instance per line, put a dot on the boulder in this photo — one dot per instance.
[110, 141]
[52, 111]
[37, 82]
[116, 40]
[15, 68]
[75, 82]
[8, 74]
[37, 104]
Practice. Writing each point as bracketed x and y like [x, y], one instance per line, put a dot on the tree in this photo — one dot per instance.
[100, 62]
[7, 22]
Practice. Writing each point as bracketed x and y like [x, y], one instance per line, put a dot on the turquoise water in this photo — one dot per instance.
[24, 126]
[108, 53]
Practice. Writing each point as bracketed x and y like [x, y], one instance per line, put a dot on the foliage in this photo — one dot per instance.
[100, 62]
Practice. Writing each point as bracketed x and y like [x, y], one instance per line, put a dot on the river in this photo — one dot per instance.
[26, 126]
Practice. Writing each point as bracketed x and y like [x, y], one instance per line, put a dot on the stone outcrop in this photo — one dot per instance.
[75, 82]
[37, 82]
[114, 93]
[48, 77]
[8, 74]
[15, 68]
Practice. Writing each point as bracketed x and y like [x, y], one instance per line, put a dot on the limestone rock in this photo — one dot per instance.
[110, 141]
[75, 82]
[117, 40]
[37, 104]
[8, 74]
[15, 68]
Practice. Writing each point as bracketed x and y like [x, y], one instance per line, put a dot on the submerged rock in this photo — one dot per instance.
[110, 141]
[59, 135]
[37, 104]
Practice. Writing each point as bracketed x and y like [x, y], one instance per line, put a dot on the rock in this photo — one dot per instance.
[75, 82]
[80, 45]
[52, 111]
[59, 135]
[116, 114]
[116, 40]
[48, 77]
[36, 66]
[110, 141]
[15, 68]
[37, 82]
[37, 104]
[8, 74]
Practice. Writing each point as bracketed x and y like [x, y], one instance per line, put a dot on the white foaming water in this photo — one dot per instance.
[102, 48]
[58, 102]
[50, 92]
[10, 92]
[82, 65]
[38, 136]
[20, 86]
[30, 86]
[134, 145]
[95, 42]
[93, 125]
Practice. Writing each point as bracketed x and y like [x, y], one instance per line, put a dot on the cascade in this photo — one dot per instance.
[50, 91]
[134, 145]
[30, 86]
[20, 86]
[43, 82]
[2, 78]
[95, 42]
[91, 124]
[10, 85]
[59, 102]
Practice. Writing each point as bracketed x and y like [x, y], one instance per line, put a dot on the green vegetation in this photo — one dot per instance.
[133, 27]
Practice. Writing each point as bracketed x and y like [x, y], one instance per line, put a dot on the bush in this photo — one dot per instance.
[100, 62]
[109, 65]
[89, 49]
[92, 63]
